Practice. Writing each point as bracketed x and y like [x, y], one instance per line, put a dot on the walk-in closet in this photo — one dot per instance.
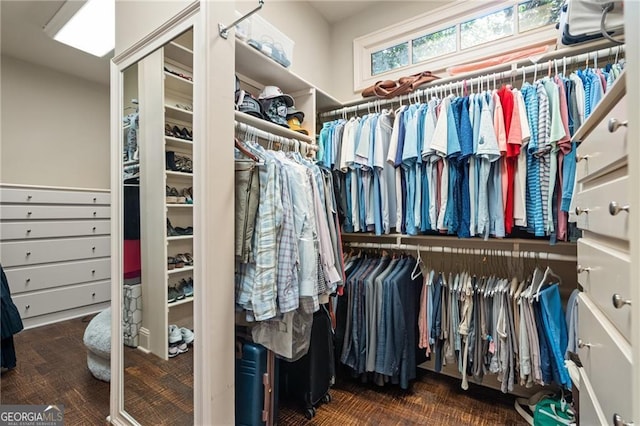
[324, 212]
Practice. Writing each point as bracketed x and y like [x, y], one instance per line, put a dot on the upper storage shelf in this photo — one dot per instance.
[178, 53]
[257, 67]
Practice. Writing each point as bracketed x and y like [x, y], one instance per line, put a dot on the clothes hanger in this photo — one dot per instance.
[244, 150]
[419, 266]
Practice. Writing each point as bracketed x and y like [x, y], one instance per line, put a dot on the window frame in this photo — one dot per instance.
[432, 22]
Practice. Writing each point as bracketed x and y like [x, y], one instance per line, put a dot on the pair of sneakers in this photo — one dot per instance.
[179, 340]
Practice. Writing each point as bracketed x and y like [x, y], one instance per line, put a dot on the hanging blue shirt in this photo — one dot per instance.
[465, 136]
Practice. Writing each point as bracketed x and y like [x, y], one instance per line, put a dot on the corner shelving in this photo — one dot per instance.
[161, 92]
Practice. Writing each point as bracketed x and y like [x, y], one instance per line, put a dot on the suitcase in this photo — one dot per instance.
[580, 20]
[308, 379]
[256, 389]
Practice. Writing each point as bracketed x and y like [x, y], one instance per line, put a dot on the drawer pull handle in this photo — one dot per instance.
[28, 280]
[619, 302]
[93, 294]
[95, 213]
[94, 199]
[582, 269]
[94, 229]
[582, 344]
[28, 231]
[580, 210]
[29, 197]
[28, 213]
[619, 421]
[28, 253]
[27, 306]
[93, 248]
[579, 158]
[615, 208]
[93, 271]
[614, 124]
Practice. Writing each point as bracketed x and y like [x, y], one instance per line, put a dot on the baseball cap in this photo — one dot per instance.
[293, 112]
[272, 92]
[275, 110]
[248, 104]
[294, 124]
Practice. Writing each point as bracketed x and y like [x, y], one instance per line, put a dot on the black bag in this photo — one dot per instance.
[308, 379]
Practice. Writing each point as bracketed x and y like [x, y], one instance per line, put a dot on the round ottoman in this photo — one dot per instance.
[97, 339]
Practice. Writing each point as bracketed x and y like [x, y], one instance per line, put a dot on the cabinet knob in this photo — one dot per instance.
[28, 280]
[95, 213]
[579, 158]
[619, 302]
[614, 124]
[28, 231]
[93, 271]
[93, 229]
[27, 306]
[28, 253]
[29, 197]
[580, 210]
[93, 294]
[582, 269]
[615, 208]
[94, 199]
[93, 248]
[582, 344]
[619, 421]
[28, 213]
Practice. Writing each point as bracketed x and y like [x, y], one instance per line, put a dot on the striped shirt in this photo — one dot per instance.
[534, 197]
[544, 153]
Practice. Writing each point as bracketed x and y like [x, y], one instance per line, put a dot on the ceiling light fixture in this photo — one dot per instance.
[85, 25]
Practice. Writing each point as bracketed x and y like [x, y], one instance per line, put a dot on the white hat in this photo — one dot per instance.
[270, 92]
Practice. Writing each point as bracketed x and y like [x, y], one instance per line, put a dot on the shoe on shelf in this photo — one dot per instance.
[187, 335]
[171, 231]
[171, 263]
[187, 193]
[186, 287]
[175, 336]
[173, 294]
[171, 195]
[184, 231]
[189, 259]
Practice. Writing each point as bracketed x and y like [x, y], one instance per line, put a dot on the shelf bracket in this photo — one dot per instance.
[224, 30]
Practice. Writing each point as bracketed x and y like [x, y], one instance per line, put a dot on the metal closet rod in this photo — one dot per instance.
[467, 251]
[270, 137]
[452, 83]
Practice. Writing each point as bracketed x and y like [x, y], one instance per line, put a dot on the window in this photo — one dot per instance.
[464, 32]
[390, 58]
[434, 44]
[487, 28]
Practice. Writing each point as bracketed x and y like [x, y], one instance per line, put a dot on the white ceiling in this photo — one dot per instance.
[22, 37]
[334, 11]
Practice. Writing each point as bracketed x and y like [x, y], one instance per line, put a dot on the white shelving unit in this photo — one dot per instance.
[256, 71]
[156, 247]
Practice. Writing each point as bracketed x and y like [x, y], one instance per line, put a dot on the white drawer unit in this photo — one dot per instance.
[603, 272]
[606, 146]
[590, 411]
[58, 250]
[17, 195]
[603, 209]
[40, 277]
[606, 358]
[55, 249]
[50, 229]
[21, 212]
[60, 299]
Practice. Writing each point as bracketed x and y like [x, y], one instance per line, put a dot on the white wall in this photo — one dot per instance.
[131, 29]
[55, 128]
[376, 17]
[298, 20]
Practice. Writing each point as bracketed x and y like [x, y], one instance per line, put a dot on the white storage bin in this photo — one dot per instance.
[266, 38]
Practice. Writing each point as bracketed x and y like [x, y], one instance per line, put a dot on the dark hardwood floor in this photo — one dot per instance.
[52, 369]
